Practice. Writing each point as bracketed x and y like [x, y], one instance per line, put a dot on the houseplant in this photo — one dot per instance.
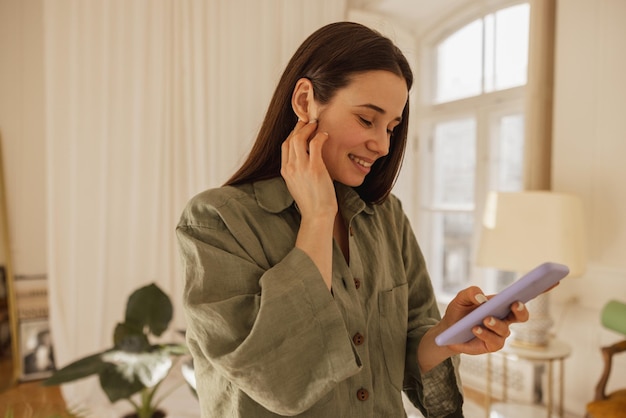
[134, 367]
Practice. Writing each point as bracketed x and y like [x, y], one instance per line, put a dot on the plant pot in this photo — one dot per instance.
[157, 414]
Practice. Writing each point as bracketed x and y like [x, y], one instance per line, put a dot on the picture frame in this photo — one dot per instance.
[31, 296]
[36, 349]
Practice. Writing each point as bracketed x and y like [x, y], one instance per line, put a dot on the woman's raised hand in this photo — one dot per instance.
[312, 188]
[305, 173]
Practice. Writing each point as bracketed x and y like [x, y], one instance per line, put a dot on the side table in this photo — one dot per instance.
[555, 352]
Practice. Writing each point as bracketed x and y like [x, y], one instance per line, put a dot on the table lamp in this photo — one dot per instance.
[521, 230]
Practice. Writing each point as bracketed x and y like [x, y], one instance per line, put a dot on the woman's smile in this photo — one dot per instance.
[360, 163]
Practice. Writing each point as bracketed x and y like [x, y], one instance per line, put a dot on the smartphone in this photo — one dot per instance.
[527, 287]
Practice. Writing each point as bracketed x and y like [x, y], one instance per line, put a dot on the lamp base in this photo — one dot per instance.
[534, 333]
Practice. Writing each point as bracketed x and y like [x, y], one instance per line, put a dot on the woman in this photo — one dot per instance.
[306, 292]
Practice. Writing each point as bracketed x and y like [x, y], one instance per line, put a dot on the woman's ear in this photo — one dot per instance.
[303, 100]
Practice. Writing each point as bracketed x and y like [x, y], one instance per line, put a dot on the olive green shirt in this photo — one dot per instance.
[267, 336]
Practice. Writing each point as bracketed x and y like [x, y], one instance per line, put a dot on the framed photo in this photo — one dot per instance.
[31, 296]
[37, 354]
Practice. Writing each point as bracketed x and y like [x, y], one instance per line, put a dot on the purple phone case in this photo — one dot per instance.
[527, 287]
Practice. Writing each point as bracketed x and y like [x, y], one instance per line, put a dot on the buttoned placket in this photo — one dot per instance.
[359, 337]
[356, 291]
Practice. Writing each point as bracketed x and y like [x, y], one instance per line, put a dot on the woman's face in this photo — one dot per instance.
[359, 121]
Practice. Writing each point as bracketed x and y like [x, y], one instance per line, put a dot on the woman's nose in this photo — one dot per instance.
[380, 142]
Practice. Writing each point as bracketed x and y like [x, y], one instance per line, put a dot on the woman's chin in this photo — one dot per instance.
[352, 182]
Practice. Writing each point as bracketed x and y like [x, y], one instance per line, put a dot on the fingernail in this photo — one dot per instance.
[478, 330]
[520, 306]
[481, 298]
[313, 121]
[492, 321]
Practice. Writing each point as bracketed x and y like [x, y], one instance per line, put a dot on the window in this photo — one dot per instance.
[473, 123]
[488, 54]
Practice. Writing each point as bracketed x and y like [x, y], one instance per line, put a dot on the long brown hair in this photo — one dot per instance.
[329, 57]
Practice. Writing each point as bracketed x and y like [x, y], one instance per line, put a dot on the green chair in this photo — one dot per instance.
[612, 405]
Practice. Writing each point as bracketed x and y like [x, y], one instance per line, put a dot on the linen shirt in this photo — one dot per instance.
[267, 336]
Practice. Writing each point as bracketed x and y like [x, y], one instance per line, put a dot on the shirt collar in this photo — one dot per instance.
[273, 196]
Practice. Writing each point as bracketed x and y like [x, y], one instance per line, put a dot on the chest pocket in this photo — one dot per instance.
[393, 310]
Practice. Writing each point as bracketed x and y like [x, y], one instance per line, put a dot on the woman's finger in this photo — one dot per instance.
[498, 326]
[302, 138]
[316, 144]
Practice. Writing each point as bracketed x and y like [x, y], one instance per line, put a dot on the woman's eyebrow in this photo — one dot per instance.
[378, 109]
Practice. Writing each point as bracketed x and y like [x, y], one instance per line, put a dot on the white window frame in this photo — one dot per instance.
[487, 108]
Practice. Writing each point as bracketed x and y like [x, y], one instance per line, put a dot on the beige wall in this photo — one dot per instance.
[590, 122]
[589, 159]
[22, 130]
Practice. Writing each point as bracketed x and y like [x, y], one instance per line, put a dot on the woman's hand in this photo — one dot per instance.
[305, 173]
[490, 336]
[312, 188]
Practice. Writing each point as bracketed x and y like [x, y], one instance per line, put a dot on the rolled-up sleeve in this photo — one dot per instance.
[274, 332]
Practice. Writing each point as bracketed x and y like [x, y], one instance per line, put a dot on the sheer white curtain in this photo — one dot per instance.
[147, 104]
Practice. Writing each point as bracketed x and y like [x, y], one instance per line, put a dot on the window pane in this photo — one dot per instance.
[509, 155]
[459, 64]
[490, 53]
[511, 46]
[456, 233]
[454, 160]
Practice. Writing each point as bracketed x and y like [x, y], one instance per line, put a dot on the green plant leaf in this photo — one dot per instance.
[172, 349]
[149, 306]
[77, 370]
[129, 337]
[116, 386]
[148, 367]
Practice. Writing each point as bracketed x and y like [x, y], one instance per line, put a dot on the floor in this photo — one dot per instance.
[29, 399]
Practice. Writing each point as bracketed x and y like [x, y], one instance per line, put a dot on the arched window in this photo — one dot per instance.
[471, 129]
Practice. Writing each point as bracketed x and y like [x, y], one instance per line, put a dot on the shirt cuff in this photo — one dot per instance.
[443, 393]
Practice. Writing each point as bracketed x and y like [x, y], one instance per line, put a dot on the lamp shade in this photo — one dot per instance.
[521, 230]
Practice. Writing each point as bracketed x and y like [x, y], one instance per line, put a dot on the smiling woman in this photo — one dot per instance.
[306, 293]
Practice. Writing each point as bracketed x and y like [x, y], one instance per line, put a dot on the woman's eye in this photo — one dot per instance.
[365, 122]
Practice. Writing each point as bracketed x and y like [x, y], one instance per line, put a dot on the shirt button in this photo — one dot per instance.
[362, 394]
[357, 283]
[358, 339]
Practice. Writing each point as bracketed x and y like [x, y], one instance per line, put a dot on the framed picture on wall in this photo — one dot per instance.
[36, 348]
[31, 295]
